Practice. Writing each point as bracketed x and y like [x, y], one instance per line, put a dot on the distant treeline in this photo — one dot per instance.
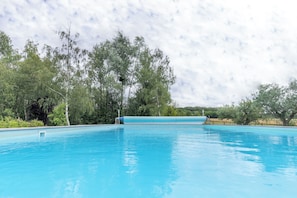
[211, 112]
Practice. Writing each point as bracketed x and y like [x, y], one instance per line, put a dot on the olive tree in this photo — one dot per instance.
[279, 101]
[246, 112]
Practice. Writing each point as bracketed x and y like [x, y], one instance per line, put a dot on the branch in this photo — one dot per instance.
[56, 92]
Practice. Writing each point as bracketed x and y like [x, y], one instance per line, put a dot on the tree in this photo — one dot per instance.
[33, 75]
[121, 56]
[57, 117]
[81, 103]
[246, 112]
[153, 78]
[170, 111]
[119, 75]
[40, 109]
[105, 86]
[8, 60]
[5, 45]
[130, 77]
[279, 101]
[7, 53]
[69, 61]
[7, 99]
[227, 111]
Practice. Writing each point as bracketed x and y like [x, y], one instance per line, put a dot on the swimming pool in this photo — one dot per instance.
[150, 161]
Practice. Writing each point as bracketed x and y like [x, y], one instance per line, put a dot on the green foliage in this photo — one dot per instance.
[210, 112]
[69, 59]
[246, 112]
[35, 123]
[118, 74]
[130, 77]
[57, 117]
[5, 45]
[7, 88]
[228, 112]
[170, 111]
[153, 77]
[278, 101]
[80, 104]
[7, 113]
[7, 54]
[9, 122]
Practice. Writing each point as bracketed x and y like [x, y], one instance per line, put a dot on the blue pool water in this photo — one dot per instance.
[151, 161]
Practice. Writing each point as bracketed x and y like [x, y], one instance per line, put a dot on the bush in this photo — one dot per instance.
[36, 123]
[57, 117]
[9, 122]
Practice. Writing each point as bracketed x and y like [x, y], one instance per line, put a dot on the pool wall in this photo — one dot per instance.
[164, 119]
[7, 133]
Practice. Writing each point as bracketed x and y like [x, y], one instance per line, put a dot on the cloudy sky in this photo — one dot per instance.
[221, 50]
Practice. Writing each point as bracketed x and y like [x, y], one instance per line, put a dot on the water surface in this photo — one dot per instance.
[152, 161]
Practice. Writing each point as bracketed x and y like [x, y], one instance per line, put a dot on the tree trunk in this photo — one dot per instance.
[66, 109]
[285, 121]
[158, 105]
[25, 109]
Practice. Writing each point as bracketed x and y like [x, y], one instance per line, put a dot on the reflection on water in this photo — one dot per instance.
[153, 161]
[149, 160]
[224, 162]
[274, 152]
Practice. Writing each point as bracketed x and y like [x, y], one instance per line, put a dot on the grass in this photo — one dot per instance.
[216, 121]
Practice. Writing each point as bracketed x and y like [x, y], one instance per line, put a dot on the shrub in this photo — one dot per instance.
[9, 122]
[36, 123]
[57, 117]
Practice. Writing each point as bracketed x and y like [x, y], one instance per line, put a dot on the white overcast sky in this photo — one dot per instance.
[221, 50]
